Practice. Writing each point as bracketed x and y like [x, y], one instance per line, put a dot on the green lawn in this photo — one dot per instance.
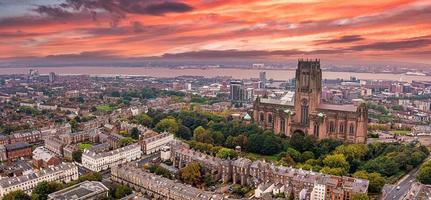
[83, 146]
[399, 132]
[105, 107]
[254, 156]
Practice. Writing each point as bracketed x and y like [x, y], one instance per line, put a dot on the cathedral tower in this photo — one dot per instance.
[308, 90]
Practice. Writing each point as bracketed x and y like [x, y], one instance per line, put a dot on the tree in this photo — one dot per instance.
[307, 155]
[294, 154]
[143, 119]
[338, 171]
[383, 165]
[424, 175]
[198, 133]
[122, 191]
[184, 132]
[134, 133]
[168, 124]
[226, 153]
[360, 196]
[42, 189]
[191, 174]
[91, 176]
[126, 141]
[77, 155]
[16, 195]
[218, 137]
[376, 181]
[336, 161]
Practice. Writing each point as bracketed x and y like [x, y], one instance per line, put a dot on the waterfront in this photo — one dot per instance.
[233, 72]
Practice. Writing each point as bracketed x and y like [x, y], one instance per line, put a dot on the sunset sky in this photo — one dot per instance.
[393, 30]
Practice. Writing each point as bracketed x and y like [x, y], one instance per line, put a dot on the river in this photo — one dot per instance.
[212, 72]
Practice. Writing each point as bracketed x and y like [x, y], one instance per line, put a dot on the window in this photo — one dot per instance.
[316, 130]
[304, 112]
[331, 127]
[262, 117]
[283, 126]
[341, 128]
[270, 118]
[351, 129]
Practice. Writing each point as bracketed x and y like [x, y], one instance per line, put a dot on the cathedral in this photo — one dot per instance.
[306, 114]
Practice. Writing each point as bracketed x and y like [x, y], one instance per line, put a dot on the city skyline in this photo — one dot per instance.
[354, 31]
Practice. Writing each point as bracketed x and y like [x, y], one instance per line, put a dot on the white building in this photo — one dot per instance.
[64, 172]
[318, 192]
[98, 161]
[165, 153]
[154, 144]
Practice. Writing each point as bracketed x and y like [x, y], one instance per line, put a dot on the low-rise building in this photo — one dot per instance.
[154, 144]
[87, 190]
[18, 150]
[157, 186]
[44, 158]
[98, 161]
[65, 172]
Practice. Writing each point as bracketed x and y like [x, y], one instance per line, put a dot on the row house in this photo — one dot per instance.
[65, 172]
[157, 186]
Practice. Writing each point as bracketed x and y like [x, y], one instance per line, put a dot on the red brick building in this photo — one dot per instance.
[18, 150]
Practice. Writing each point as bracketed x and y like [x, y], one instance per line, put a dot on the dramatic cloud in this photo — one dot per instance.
[356, 29]
[344, 39]
[396, 45]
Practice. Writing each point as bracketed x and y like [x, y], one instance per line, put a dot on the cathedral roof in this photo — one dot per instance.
[346, 108]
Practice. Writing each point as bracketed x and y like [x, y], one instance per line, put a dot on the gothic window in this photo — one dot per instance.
[316, 130]
[283, 126]
[351, 129]
[331, 127]
[304, 112]
[270, 118]
[341, 128]
[262, 117]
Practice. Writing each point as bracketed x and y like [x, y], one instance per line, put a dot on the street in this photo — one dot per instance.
[404, 185]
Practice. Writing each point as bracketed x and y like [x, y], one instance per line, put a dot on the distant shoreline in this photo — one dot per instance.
[238, 73]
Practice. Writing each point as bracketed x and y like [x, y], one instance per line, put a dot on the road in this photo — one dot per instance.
[404, 185]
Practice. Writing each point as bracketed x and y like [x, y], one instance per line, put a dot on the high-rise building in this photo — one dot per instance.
[262, 79]
[236, 91]
[51, 77]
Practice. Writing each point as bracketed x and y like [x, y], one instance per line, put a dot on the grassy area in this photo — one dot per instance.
[400, 132]
[254, 156]
[83, 146]
[105, 107]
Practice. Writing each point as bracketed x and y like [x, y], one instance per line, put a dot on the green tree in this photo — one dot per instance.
[143, 119]
[168, 124]
[134, 133]
[424, 175]
[360, 196]
[126, 141]
[191, 174]
[307, 155]
[226, 153]
[122, 191]
[338, 171]
[16, 195]
[42, 189]
[296, 155]
[184, 132]
[376, 181]
[77, 155]
[336, 161]
[91, 176]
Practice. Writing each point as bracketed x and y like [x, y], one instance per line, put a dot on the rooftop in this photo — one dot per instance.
[81, 191]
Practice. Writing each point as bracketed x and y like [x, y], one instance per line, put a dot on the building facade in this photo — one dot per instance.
[65, 172]
[102, 160]
[154, 144]
[306, 113]
[87, 190]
